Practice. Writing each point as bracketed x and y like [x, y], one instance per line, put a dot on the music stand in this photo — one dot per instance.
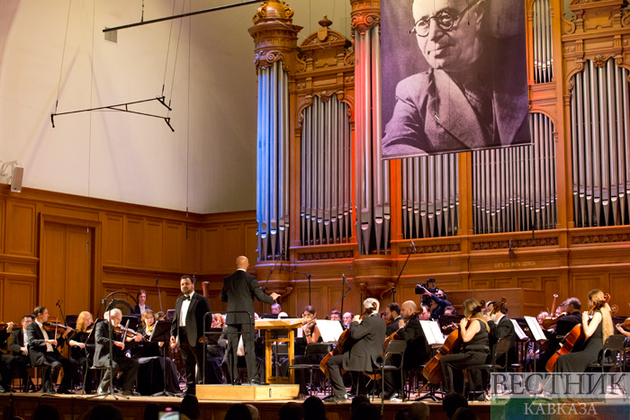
[162, 333]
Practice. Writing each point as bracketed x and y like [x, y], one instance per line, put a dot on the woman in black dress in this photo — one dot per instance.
[596, 331]
[150, 371]
[80, 351]
[474, 334]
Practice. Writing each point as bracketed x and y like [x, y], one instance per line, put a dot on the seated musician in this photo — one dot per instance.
[8, 363]
[596, 331]
[501, 326]
[149, 355]
[450, 310]
[120, 363]
[392, 311]
[42, 348]
[215, 351]
[276, 309]
[335, 315]
[564, 325]
[417, 352]
[347, 320]
[474, 334]
[19, 348]
[368, 332]
[80, 351]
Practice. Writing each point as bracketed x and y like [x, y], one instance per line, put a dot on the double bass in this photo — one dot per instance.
[575, 338]
[432, 370]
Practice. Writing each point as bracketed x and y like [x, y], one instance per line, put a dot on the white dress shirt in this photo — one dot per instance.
[184, 311]
[49, 347]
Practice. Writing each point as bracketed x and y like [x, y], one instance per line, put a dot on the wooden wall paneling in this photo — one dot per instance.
[78, 269]
[505, 283]
[620, 292]
[481, 283]
[191, 246]
[17, 298]
[153, 245]
[532, 282]
[582, 284]
[3, 205]
[20, 225]
[112, 239]
[211, 249]
[173, 245]
[550, 287]
[53, 265]
[233, 247]
[133, 238]
[300, 299]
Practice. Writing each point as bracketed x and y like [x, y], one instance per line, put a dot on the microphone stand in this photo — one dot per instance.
[308, 276]
[344, 292]
[264, 288]
[413, 246]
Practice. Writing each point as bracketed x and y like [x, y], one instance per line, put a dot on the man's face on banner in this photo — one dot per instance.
[447, 32]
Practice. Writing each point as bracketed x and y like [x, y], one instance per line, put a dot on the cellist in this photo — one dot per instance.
[596, 331]
[474, 334]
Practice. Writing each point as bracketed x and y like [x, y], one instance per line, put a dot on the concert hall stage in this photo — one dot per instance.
[72, 407]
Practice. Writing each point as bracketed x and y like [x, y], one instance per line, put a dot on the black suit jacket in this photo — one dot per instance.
[239, 290]
[367, 351]
[101, 338]
[136, 309]
[393, 326]
[505, 328]
[37, 344]
[417, 351]
[199, 306]
[17, 342]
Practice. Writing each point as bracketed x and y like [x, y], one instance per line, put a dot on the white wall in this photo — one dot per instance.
[207, 165]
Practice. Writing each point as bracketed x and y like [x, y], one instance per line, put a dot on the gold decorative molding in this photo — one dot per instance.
[331, 255]
[515, 243]
[431, 249]
[274, 35]
[600, 239]
[365, 14]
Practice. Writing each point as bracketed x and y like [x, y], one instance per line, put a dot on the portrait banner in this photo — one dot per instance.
[454, 76]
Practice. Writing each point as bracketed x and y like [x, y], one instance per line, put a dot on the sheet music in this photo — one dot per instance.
[330, 330]
[519, 331]
[534, 327]
[432, 332]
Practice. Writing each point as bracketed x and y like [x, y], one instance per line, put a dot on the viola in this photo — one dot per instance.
[574, 339]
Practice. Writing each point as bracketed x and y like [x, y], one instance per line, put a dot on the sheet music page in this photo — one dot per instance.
[432, 332]
[519, 331]
[534, 327]
[330, 330]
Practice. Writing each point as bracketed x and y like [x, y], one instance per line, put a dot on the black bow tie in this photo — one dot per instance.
[186, 297]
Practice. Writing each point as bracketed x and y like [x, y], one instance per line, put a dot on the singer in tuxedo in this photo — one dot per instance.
[187, 329]
[239, 290]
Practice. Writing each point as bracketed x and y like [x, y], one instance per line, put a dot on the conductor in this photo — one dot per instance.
[239, 290]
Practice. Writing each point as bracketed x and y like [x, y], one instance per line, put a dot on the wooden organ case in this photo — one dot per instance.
[550, 218]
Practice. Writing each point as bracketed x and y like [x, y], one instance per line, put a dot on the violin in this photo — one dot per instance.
[5, 325]
[130, 334]
[54, 326]
[308, 327]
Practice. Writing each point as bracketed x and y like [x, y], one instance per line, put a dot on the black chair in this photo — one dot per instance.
[611, 355]
[394, 348]
[500, 348]
[313, 350]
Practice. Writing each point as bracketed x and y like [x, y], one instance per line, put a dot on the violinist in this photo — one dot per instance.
[564, 325]
[474, 334]
[120, 363]
[622, 330]
[19, 348]
[596, 330]
[42, 348]
[215, 351]
[310, 334]
[392, 312]
[368, 334]
[8, 363]
[310, 330]
[80, 351]
[149, 354]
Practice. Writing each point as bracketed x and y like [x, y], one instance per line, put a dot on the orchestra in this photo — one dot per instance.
[574, 339]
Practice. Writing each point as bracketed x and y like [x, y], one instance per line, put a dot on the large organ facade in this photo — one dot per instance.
[524, 222]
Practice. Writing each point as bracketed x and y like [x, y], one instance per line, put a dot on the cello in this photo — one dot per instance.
[432, 370]
[574, 339]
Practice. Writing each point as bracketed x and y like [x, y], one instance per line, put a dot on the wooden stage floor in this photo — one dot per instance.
[73, 406]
